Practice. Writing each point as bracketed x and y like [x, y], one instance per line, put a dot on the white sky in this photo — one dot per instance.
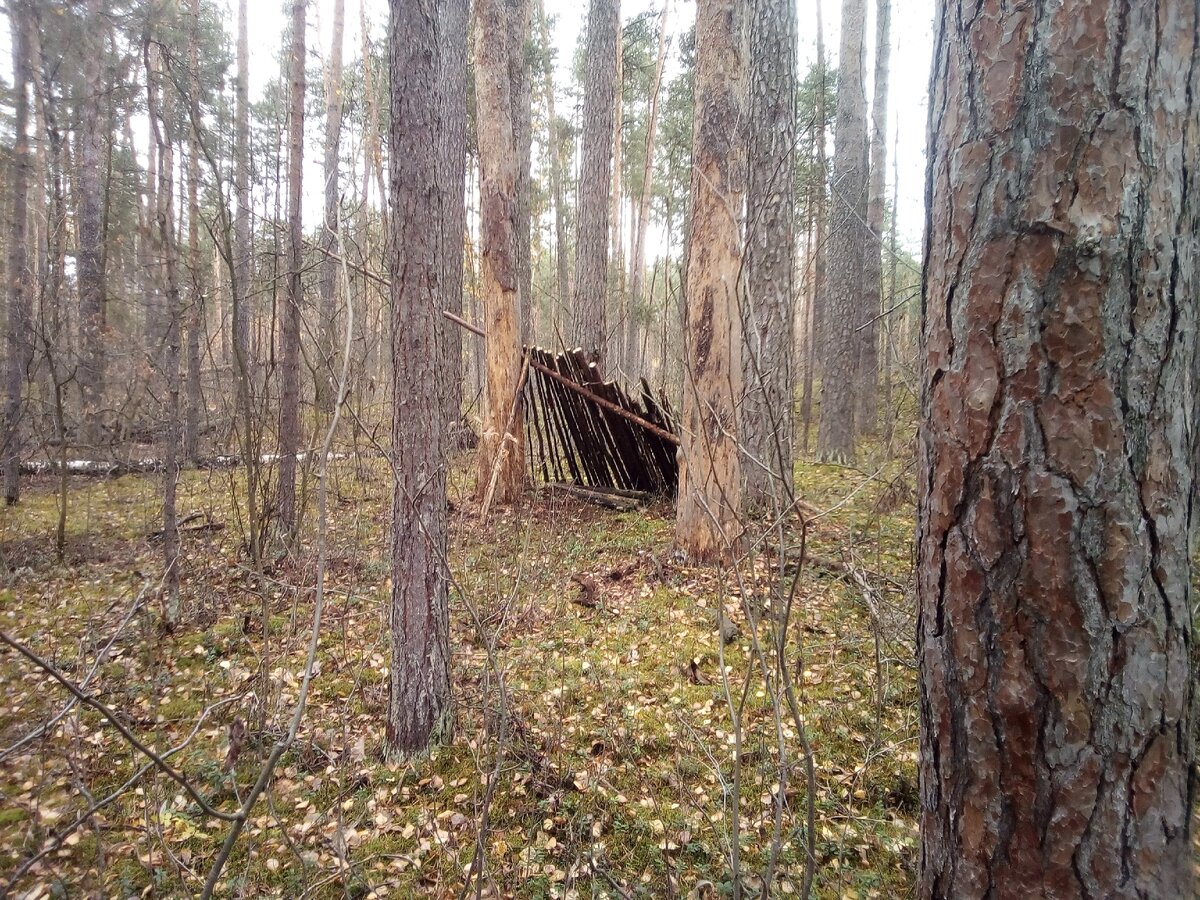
[911, 54]
[908, 90]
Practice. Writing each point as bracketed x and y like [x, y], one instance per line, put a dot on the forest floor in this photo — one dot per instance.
[617, 773]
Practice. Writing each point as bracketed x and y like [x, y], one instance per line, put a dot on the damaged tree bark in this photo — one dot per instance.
[1056, 451]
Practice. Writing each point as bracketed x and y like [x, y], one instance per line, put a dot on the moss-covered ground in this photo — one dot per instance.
[610, 751]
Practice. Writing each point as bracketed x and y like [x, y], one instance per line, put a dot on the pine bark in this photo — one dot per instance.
[521, 85]
[1057, 451]
[770, 241]
[454, 18]
[595, 178]
[19, 335]
[872, 293]
[419, 711]
[709, 493]
[847, 245]
[499, 269]
[90, 225]
[289, 339]
[327, 353]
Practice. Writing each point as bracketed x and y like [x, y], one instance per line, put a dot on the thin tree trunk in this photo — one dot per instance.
[90, 265]
[454, 18]
[821, 243]
[868, 360]
[326, 353]
[1057, 450]
[19, 338]
[637, 269]
[709, 493]
[847, 245]
[419, 712]
[160, 114]
[769, 311]
[554, 140]
[195, 318]
[614, 338]
[595, 179]
[243, 313]
[289, 340]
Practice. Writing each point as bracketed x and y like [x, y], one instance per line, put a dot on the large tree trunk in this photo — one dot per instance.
[847, 244]
[19, 335]
[1056, 452]
[554, 140]
[454, 16]
[872, 291]
[419, 712]
[289, 337]
[326, 353]
[195, 317]
[769, 311]
[90, 225]
[595, 178]
[501, 445]
[709, 493]
[637, 268]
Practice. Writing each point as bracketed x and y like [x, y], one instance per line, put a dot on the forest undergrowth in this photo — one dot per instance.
[601, 763]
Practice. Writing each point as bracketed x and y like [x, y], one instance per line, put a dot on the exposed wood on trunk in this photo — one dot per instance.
[499, 269]
[1057, 450]
[709, 499]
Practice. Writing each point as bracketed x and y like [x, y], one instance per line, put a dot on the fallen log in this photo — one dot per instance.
[624, 501]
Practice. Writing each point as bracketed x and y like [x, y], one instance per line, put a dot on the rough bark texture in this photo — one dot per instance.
[90, 225]
[241, 228]
[327, 367]
[289, 391]
[709, 494]
[872, 292]
[595, 177]
[770, 242]
[637, 268]
[847, 244]
[419, 712]
[614, 336]
[1056, 451]
[499, 270]
[521, 85]
[452, 168]
[19, 337]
